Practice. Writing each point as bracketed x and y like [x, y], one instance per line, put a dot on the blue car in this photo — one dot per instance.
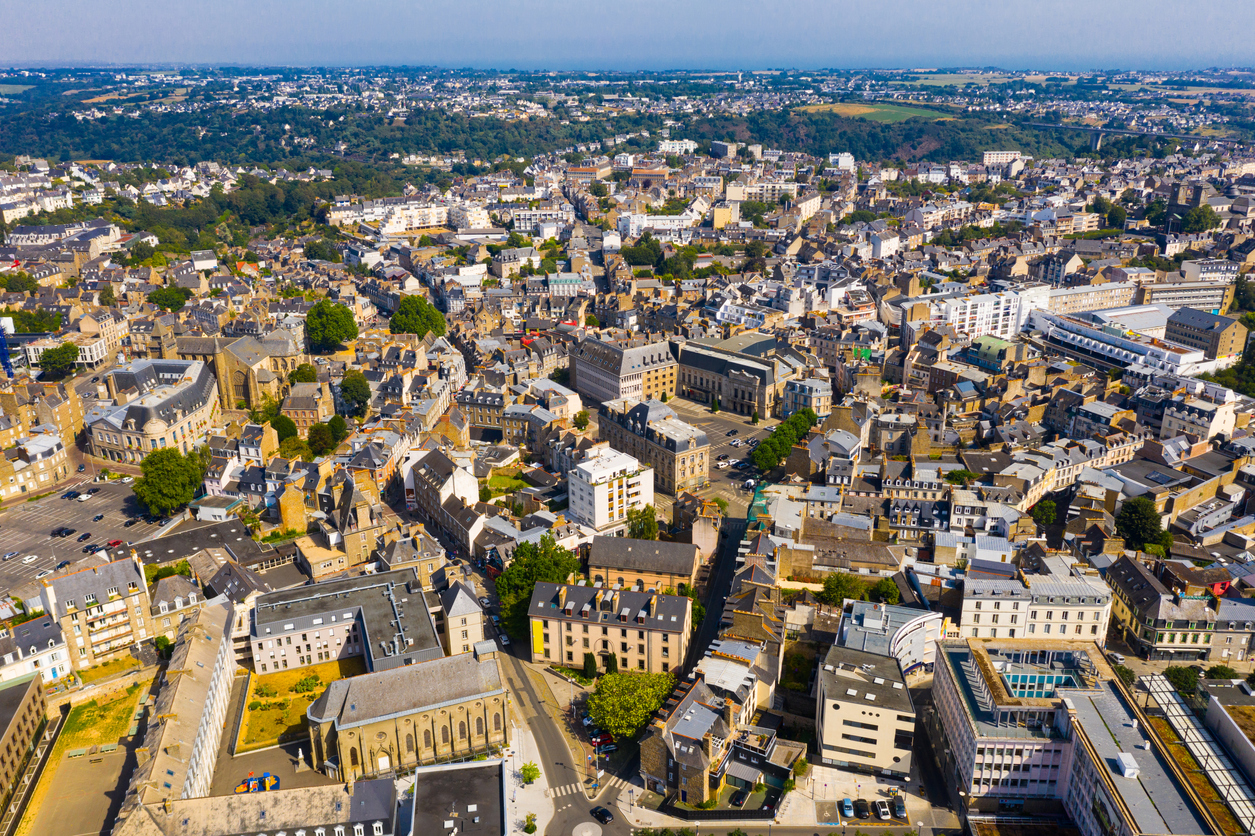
[847, 808]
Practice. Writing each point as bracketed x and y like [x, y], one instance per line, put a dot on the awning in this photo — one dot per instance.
[744, 771]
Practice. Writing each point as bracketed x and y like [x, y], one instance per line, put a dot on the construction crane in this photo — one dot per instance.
[6, 327]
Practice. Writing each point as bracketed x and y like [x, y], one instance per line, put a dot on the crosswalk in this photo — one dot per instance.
[612, 782]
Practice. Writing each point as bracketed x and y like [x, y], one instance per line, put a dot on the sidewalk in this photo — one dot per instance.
[521, 798]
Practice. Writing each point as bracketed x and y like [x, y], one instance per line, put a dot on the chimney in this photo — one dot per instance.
[729, 709]
[652, 606]
[562, 597]
[708, 745]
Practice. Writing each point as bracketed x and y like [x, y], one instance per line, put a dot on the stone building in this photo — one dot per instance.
[102, 611]
[308, 404]
[155, 404]
[636, 368]
[22, 715]
[446, 708]
[653, 434]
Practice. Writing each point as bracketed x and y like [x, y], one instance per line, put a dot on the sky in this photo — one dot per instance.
[634, 34]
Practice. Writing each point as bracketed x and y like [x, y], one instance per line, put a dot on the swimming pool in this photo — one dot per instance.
[1038, 685]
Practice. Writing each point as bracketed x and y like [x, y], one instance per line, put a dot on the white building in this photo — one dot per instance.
[677, 146]
[603, 488]
[864, 717]
[36, 645]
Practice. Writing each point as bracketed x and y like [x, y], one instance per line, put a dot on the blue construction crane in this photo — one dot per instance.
[4, 352]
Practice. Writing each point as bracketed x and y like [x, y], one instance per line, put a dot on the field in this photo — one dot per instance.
[957, 79]
[13, 89]
[282, 716]
[90, 724]
[877, 112]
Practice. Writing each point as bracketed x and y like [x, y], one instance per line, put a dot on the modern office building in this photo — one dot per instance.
[604, 487]
[1220, 337]
[864, 717]
[644, 631]
[907, 634]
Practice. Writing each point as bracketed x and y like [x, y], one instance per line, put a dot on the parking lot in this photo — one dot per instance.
[25, 528]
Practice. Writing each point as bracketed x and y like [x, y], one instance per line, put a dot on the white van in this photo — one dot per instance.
[30, 558]
[1115, 657]
[749, 484]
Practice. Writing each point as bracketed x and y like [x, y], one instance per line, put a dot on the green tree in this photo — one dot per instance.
[961, 477]
[170, 298]
[754, 417]
[295, 449]
[837, 587]
[58, 362]
[415, 315]
[1222, 672]
[612, 663]
[304, 373]
[140, 253]
[106, 296]
[1126, 674]
[1185, 680]
[1116, 216]
[163, 645]
[623, 702]
[20, 283]
[339, 428]
[1044, 512]
[328, 325]
[322, 250]
[533, 563]
[591, 321]
[885, 591]
[320, 439]
[1156, 212]
[590, 666]
[800, 767]
[170, 480]
[581, 420]
[355, 391]
[642, 523]
[1199, 219]
[714, 404]
[284, 426]
[529, 772]
[1139, 523]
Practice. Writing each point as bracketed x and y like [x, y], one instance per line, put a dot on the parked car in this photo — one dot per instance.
[93, 491]
[738, 799]
[30, 558]
[63, 564]
[45, 573]
[608, 748]
[163, 522]
[84, 497]
[505, 640]
[98, 518]
[899, 807]
[724, 457]
[132, 521]
[602, 815]
[602, 739]
[484, 602]
[862, 809]
[882, 810]
[10, 555]
[847, 808]
[126, 480]
[1117, 658]
[113, 544]
[587, 721]
[82, 468]
[84, 537]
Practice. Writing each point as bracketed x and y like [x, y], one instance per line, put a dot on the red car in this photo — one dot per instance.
[113, 544]
[602, 739]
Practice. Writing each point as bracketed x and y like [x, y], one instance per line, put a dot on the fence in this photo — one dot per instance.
[670, 808]
[239, 715]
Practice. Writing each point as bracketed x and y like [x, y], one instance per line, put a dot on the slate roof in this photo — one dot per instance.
[612, 553]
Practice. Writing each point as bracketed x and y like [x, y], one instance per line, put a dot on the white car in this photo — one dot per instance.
[30, 558]
[84, 497]
[505, 640]
[45, 573]
[126, 480]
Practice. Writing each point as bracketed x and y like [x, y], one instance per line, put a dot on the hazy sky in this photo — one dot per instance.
[635, 34]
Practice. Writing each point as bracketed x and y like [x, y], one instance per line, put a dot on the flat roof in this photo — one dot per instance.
[467, 797]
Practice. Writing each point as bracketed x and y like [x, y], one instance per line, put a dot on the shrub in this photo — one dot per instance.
[265, 690]
[255, 705]
[306, 684]
[530, 825]
[529, 772]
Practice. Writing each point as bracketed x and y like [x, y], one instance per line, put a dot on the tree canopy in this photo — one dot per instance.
[328, 325]
[777, 446]
[304, 373]
[415, 315]
[532, 564]
[320, 439]
[58, 362]
[623, 702]
[170, 479]
[355, 391]
[1139, 523]
[1045, 512]
[284, 426]
[642, 523]
[170, 298]
[339, 428]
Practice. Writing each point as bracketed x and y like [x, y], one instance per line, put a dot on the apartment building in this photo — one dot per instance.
[603, 370]
[643, 631]
[35, 646]
[653, 433]
[33, 465]
[1091, 297]
[1036, 606]
[1042, 729]
[864, 718]
[102, 611]
[1219, 337]
[605, 486]
[22, 716]
[180, 746]
[1213, 297]
[154, 404]
[363, 616]
[814, 394]
[1218, 270]
[1157, 622]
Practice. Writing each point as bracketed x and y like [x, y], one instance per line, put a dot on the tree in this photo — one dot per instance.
[1126, 674]
[885, 591]
[612, 664]
[800, 767]
[1222, 672]
[58, 362]
[581, 420]
[642, 523]
[415, 315]
[320, 439]
[294, 449]
[837, 587]
[339, 428]
[355, 391]
[20, 283]
[779, 444]
[170, 298]
[529, 772]
[1199, 219]
[304, 373]
[1139, 523]
[754, 417]
[591, 321]
[163, 645]
[590, 666]
[533, 563]
[714, 404]
[623, 702]
[322, 250]
[961, 477]
[170, 479]
[284, 426]
[1116, 216]
[140, 253]
[328, 325]
[106, 296]
[1045, 513]
[1185, 680]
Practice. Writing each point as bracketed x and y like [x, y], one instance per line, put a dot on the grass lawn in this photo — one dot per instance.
[13, 89]
[878, 112]
[90, 724]
[282, 716]
[109, 669]
[506, 480]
